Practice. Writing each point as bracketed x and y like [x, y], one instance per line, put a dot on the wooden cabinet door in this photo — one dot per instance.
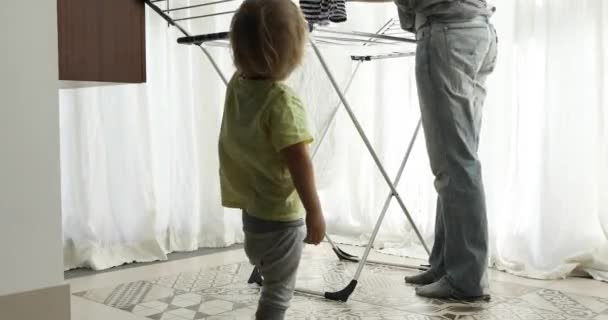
[102, 40]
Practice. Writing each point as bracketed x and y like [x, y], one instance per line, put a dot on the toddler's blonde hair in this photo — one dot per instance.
[268, 38]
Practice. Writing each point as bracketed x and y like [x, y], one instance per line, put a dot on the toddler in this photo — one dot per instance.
[265, 166]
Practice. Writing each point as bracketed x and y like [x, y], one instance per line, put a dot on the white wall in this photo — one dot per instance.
[30, 202]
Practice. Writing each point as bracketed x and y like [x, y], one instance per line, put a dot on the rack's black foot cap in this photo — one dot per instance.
[343, 294]
[342, 255]
[255, 277]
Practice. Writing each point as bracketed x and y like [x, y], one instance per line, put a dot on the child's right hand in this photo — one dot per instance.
[300, 167]
[315, 223]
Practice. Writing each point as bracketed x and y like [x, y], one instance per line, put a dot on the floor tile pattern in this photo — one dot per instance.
[222, 293]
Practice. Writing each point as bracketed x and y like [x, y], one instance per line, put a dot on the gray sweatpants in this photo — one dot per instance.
[453, 60]
[276, 254]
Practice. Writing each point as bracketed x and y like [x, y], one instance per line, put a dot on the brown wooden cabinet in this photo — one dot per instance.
[102, 40]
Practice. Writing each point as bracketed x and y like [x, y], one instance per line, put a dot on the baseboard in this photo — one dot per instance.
[47, 303]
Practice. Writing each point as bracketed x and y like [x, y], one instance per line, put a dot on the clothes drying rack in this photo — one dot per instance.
[389, 36]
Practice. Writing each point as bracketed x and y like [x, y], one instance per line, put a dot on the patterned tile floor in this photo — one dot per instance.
[222, 293]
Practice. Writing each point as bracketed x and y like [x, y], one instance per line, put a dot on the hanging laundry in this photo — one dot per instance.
[324, 11]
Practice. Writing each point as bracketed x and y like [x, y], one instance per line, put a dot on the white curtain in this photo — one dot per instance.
[545, 140]
[139, 162]
[140, 168]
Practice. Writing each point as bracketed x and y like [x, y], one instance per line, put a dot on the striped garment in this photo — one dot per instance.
[323, 11]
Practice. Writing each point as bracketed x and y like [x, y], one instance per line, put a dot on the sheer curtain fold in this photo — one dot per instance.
[545, 187]
[139, 164]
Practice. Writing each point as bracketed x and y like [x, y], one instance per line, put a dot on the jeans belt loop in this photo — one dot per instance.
[421, 20]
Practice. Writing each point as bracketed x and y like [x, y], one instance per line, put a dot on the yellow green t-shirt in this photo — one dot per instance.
[261, 117]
